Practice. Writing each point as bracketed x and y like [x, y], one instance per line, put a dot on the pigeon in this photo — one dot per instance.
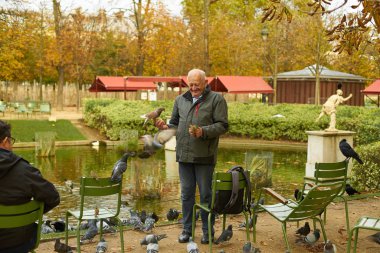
[254, 205]
[102, 246]
[351, 191]
[250, 222]
[249, 248]
[192, 247]
[348, 151]
[296, 193]
[120, 167]
[134, 221]
[152, 248]
[150, 146]
[172, 214]
[163, 136]
[225, 236]
[142, 216]
[46, 228]
[152, 238]
[329, 247]
[91, 232]
[59, 225]
[149, 222]
[313, 237]
[376, 237]
[61, 247]
[304, 231]
[152, 115]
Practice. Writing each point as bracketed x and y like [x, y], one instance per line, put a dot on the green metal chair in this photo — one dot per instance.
[220, 181]
[22, 215]
[364, 222]
[3, 107]
[45, 108]
[331, 173]
[96, 187]
[23, 110]
[314, 202]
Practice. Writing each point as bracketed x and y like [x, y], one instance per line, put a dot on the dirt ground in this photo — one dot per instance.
[269, 235]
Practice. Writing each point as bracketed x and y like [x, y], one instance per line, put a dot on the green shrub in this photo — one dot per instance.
[367, 176]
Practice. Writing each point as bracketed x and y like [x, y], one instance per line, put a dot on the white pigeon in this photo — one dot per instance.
[102, 246]
[192, 247]
[152, 248]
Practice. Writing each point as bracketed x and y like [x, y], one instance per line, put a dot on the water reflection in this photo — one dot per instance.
[153, 184]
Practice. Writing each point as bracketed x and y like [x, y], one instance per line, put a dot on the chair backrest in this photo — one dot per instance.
[331, 173]
[222, 181]
[45, 107]
[315, 201]
[21, 215]
[21, 108]
[99, 187]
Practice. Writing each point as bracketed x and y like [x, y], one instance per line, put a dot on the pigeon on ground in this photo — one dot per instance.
[62, 248]
[225, 236]
[304, 231]
[152, 238]
[348, 151]
[143, 216]
[102, 246]
[313, 237]
[192, 247]
[91, 232]
[120, 167]
[152, 115]
[172, 214]
[149, 222]
[376, 237]
[249, 248]
[152, 248]
[59, 225]
[254, 205]
[250, 222]
[46, 227]
[329, 247]
[351, 191]
[134, 220]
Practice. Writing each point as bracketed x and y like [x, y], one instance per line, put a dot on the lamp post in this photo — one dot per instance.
[264, 36]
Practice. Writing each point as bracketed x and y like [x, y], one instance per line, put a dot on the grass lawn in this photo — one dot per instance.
[24, 130]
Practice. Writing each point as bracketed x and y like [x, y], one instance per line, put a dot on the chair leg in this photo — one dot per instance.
[66, 228]
[347, 217]
[193, 223]
[349, 240]
[324, 215]
[78, 236]
[101, 228]
[247, 226]
[210, 231]
[322, 227]
[356, 239]
[224, 221]
[121, 235]
[285, 236]
[253, 227]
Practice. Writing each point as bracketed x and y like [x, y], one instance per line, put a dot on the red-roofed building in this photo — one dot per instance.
[240, 84]
[373, 89]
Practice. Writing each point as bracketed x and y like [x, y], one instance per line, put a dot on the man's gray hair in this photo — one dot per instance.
[199, 72]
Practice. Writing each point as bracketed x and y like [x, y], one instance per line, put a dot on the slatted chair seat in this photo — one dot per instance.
[364, 222]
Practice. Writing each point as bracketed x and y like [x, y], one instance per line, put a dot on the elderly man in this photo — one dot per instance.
[20, 182]
[200, 116]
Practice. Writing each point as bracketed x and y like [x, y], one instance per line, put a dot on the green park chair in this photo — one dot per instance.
[96, 187]
[3, 107]
[331, 173]
[220, 181]
[314, 202]
[45, 108]
[22, 215]
[23, 110]
[364, 222]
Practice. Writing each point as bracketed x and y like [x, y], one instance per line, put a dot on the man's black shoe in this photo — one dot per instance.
[184, 237]
[205, 240]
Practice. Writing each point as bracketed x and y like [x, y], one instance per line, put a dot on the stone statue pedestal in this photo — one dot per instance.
[323, 147]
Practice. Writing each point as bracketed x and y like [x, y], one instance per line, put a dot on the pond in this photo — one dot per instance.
[153, 184]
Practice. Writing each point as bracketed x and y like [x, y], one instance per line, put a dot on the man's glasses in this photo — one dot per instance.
[11, 140]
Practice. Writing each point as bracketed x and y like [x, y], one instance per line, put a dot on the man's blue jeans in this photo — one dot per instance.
[190, 175]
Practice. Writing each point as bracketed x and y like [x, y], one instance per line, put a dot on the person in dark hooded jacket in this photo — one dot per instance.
[19, 183]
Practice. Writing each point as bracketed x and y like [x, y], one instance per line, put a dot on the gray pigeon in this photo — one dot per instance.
[91, 232]
[250, 222]
[329, 247]
[61, 247]
[226, 235]
[249, 248]
[152, 115]
[313, 237]
[152, 248]
[152, 238]
[120, 167]
[192, 247]
[134, 220]
[376, 237]
[163, 136]
[102, 246]
[46, 227]
[172, 214]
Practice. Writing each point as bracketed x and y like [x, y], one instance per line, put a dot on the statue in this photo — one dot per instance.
[329, 108]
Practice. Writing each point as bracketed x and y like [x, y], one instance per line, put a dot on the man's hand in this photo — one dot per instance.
[195, 131]
[160, 124]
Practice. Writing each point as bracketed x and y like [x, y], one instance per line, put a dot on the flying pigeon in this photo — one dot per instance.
[376, 237]
[249, 248]
[172, 214]
[192, 247]
[61, 247]
[225, 236]
[152, 115]
[348, 151]
[313, 237]
[305, 230]
[120, 167]
[329, 247]
[152, 248]
[152, 238]
[91, 232]
[102, 246]
[163, 136]
[350, 190]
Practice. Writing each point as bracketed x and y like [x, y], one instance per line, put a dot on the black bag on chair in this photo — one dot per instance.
[233, 201]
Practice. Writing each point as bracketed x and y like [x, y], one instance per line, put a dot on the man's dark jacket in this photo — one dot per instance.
[19, 183]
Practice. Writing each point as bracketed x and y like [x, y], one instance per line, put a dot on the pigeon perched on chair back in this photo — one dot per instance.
[120, 167]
